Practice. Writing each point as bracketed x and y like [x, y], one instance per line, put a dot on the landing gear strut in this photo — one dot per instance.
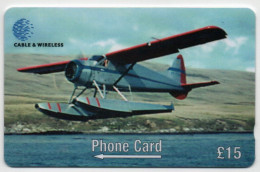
[97, 89]
[74, 90]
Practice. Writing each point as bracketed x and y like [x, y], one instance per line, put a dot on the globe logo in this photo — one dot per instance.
[22, 29]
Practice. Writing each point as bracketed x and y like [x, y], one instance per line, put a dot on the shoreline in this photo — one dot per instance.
[118, 133]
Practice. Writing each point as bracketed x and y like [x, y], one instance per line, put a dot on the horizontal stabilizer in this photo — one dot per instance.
[201, 84]
[188, 87]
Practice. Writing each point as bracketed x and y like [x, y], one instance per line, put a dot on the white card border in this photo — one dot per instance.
[252, 4]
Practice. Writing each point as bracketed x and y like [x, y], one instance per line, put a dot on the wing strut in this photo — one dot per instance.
[125, 72]
[95, 83]
[82, 91]
[95, 93]
[104, 90]
[123, 97]
[74, 90]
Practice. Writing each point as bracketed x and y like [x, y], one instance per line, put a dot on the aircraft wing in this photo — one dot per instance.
[47, 68]
[168, 45]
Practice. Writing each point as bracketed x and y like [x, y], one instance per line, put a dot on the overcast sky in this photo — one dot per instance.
[102, 30]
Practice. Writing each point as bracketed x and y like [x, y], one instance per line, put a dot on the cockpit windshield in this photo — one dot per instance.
[97, 58]
[101, 60]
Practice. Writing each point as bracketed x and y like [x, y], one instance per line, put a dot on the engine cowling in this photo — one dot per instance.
[78, 72]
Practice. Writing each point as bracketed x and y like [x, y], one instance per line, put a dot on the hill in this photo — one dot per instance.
[227, 107]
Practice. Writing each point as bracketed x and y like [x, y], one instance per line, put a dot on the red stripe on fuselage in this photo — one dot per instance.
[98, 102]
[88, 100]
[49, 105]
[58, 105]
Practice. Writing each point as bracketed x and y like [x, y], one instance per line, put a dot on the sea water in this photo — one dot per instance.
[177, 150]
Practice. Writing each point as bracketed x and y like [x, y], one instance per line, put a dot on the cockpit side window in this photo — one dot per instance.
[106, 63]
[97, 58]
[103, 62]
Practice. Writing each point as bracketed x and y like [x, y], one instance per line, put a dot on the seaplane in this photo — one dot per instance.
[119, 71]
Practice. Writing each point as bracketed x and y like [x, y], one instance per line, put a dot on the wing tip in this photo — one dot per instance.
[217, 28]
[20, 69]
[25, 69]
[215, 82]
[45, 68]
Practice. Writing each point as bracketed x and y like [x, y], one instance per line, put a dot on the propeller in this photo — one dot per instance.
[80, 56]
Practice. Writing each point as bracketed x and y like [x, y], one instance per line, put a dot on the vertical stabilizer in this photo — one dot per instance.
[178, 73]
[177, 70]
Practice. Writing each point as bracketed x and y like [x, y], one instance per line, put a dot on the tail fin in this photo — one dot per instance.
[177, 70]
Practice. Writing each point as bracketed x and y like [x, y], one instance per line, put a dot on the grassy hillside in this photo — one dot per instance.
[229, 106]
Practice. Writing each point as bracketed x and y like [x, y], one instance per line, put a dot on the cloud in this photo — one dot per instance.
[250, 69]
[235, 44]
[110, 44]
[135, 28]
[209, 47]
[116, 47]
[77, 43]
[104, 43]
[73, 40]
